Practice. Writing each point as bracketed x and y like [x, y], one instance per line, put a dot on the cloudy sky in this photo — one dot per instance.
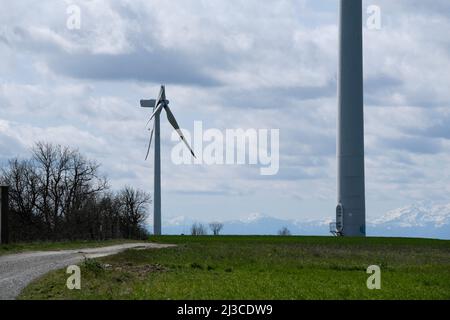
[231, 64]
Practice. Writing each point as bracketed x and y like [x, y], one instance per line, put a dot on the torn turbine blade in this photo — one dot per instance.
[175, 125]
[150, 142]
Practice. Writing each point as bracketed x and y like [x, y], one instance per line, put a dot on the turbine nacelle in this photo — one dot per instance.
[152, 103]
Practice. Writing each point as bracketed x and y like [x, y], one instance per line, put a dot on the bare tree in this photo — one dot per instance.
[133, 204]
[59, 194]
[44, 157]
[216, 227]
[66, 183]
[25, 220]
[198, 229]
[284, 232]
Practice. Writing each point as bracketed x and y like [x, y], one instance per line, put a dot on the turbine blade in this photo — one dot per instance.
[161, 96]
[150, 142]
[150, 118]
[175, 125]
[162, 93]
[158, 109]
[148, 122]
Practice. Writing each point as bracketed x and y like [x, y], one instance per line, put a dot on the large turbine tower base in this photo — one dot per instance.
[351, 210]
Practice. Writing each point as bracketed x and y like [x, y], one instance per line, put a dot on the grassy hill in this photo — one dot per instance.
[262, 268]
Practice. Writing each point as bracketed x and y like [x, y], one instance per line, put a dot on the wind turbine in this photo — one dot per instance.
[158, 105]
[351, 208]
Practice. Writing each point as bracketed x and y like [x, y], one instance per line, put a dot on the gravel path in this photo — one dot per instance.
[18, 270]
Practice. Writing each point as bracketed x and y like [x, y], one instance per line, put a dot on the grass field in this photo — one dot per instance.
[262, 268]
[51, 246]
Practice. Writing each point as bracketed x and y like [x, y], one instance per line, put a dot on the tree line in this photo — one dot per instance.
[59, 194]
[198, 229]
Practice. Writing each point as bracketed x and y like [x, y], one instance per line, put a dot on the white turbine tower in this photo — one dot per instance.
[351, 209]
[158, 105]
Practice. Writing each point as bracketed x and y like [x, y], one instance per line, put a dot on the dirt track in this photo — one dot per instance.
[18, 270]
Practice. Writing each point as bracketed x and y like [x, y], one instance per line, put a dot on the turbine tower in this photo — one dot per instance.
[158, 105]
[351, 209]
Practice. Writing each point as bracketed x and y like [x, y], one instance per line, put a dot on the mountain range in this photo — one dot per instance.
[421, 220]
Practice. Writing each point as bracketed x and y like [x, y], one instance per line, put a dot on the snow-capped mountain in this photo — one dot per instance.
[423, 219]
[417, 215]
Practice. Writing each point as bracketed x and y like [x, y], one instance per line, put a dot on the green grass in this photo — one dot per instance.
[262, 268]
[51, 246]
